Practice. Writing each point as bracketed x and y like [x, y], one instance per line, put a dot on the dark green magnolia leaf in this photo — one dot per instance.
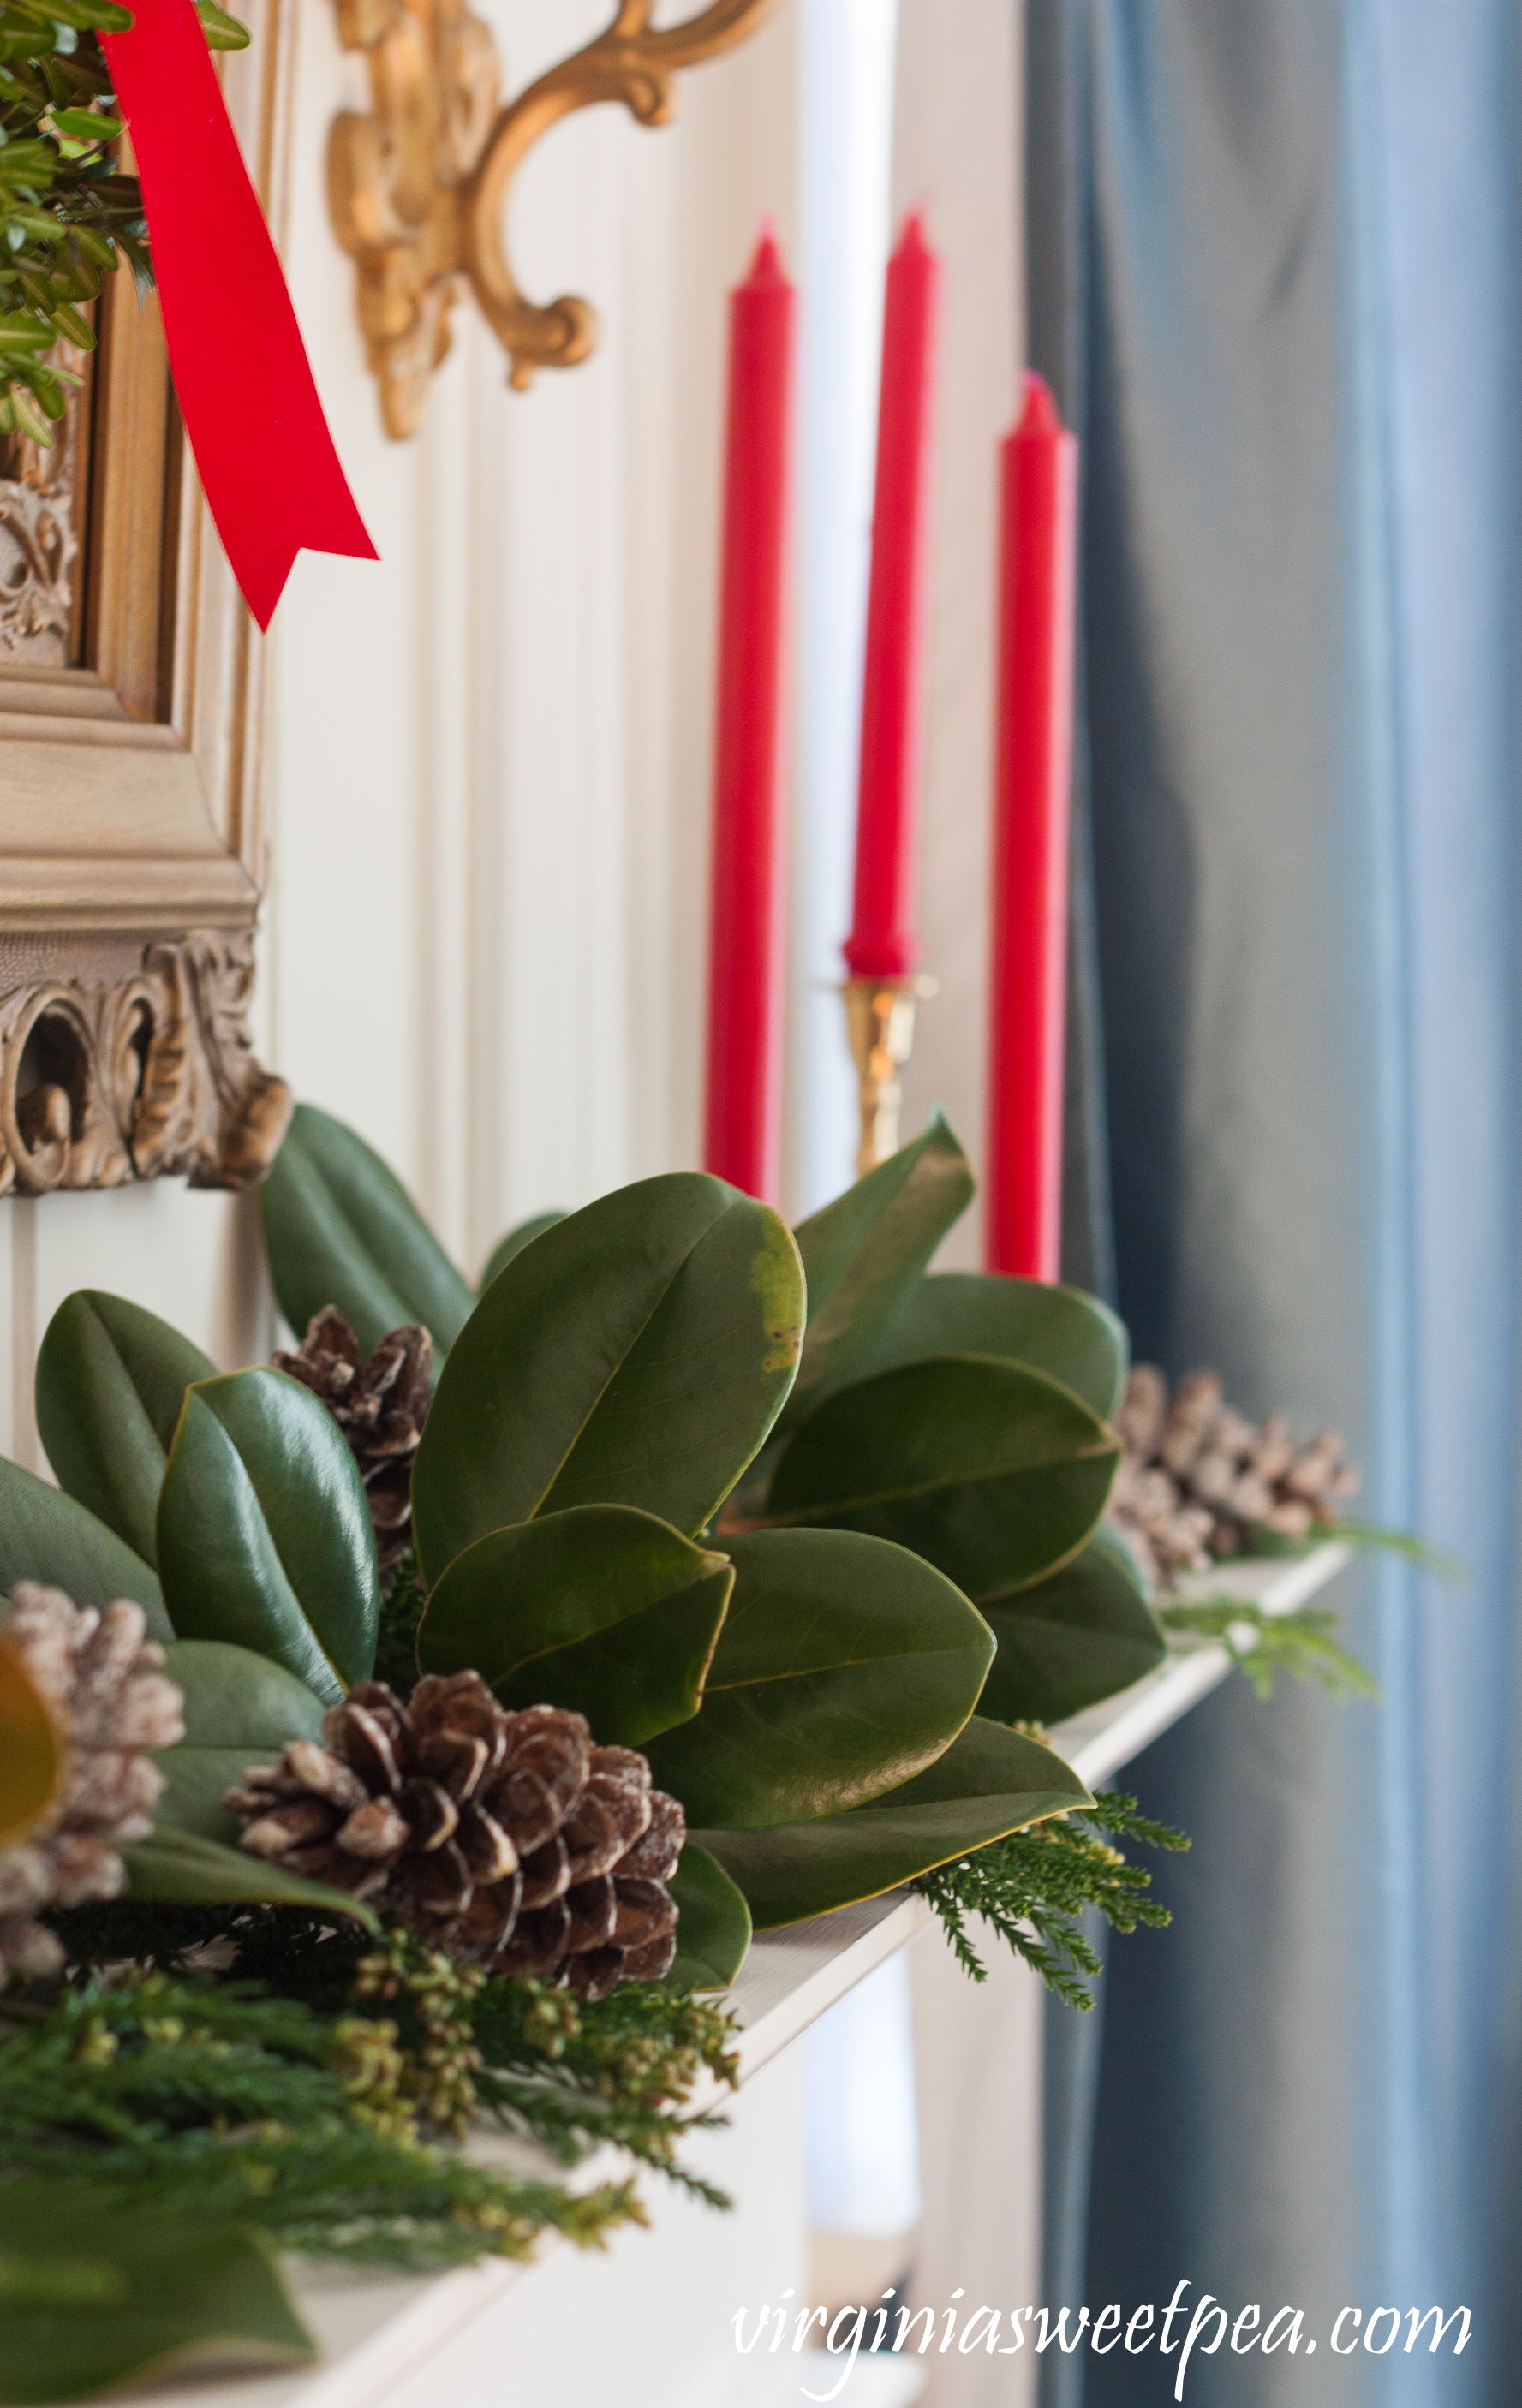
[863, 1252]
[636, 1354]
[188, 1869]
[240, 1709]
[508, 1247]
[843, 1666]
[90, 2303]
[601, 1610]
[1059, 1330]
[989, 1782]
[990, 1472]
[265, 1535]
[45, 1536]
[340, 1228]
[713, 1924]
[1073, 1638]
[110, 1381]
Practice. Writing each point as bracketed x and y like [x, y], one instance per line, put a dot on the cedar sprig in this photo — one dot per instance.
[572, 2073]
[67, 215]
[207, 2101]
[432, 1999]
[1265, 1645]
[578, 2074]
[1032, 1885]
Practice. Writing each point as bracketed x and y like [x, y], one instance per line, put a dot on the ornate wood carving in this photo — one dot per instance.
[41, 499]
[142, 1070]
[131, 727]
[419, 187]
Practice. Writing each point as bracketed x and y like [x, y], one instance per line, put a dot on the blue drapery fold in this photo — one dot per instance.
[1290, 232]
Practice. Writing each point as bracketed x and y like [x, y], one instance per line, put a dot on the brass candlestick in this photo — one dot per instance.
[879, 1018]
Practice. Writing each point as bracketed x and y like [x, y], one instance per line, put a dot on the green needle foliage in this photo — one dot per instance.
[209, 2102]
[1265, 1645]
[1033, 1886]
[67, 215]
[570, 2073]
[1374, 1538]
[575, 2075]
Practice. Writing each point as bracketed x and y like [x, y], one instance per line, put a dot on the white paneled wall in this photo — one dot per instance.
[957, 149]
[490, 772]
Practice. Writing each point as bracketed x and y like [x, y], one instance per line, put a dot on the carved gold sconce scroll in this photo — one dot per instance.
[419, 186]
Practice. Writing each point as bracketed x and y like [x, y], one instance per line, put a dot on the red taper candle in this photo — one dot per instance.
[882, 943]
[1023, 1196]
[747, 925]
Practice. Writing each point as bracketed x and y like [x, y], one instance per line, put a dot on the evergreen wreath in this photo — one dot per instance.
[68, 215]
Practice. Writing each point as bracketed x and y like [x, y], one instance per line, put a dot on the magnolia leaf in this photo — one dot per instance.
[265, 1535]
[863, 1252]
[223, 32]
[89, 2303]
[843, 1666]
[636, 1353]
[713, 1924]
[508, 1247]
[46, 1535]
[186, 1868]
[110, 1381]
[1059, 1330]
[989, 1781]
[240, 1709]
[1073, 1638]
[991, 1472]
[32, 1751]
[601, 1610]
[340, 1228]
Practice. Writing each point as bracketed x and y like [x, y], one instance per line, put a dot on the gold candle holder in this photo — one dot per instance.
[879, 1020]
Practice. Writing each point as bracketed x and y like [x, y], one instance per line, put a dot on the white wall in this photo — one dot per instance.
[487, 920]
[957, 149]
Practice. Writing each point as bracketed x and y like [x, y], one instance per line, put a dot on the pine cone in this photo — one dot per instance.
[1196, 1477]
[381, 1407]
[509, 1837]
[98, 1675]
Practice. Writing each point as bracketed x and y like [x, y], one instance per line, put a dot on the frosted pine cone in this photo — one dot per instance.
[99, 1676]
[1196, 1478]
[381, 1407]
[506, 1836]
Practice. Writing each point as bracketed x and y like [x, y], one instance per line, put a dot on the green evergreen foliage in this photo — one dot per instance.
[575, 2075]
[1265, 1645]
[1032, 1886]
[572, 2073]
[205, 2103]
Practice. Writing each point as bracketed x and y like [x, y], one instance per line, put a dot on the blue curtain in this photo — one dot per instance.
[1282, 296]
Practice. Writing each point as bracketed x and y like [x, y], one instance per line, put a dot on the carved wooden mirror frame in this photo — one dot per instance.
[130, 717]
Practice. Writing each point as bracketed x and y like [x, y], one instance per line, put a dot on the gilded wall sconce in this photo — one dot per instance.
[419, 185]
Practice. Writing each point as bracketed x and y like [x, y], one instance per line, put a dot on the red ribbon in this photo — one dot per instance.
[272, 479]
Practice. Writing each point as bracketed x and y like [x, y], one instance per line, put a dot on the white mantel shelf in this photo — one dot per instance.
[380, 2335]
